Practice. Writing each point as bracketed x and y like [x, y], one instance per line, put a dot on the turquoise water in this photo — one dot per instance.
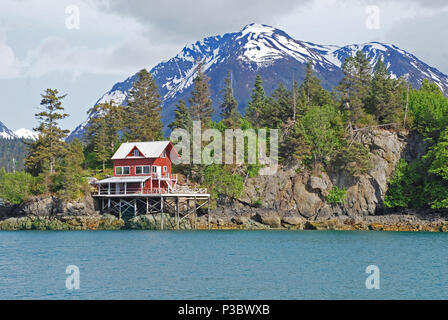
[223, 264]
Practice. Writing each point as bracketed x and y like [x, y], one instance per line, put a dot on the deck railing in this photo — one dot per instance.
[104, 191]
[165, 175]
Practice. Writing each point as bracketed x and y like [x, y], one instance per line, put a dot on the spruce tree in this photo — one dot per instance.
[386, 95]
[182, 117]
[229, 106]
[144, 107]
[50, 145]
[200, 102]
[311, 91]
[257, 105]
[354, 87]
[278, 108]
[71, 183]
[104, 129]
[101, 145]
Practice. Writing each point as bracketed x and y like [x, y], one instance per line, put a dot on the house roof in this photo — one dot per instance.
[124, 179]
[151, 149]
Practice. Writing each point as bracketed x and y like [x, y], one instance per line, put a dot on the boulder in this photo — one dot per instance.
[293, 220]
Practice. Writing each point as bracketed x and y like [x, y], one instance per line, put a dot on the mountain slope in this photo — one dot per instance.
[270, 52]
[5, 133]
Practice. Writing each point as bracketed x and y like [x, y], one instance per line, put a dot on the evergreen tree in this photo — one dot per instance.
[200, 102]
[278, 108]
[386, 95]
[50, 145]
[229, 105]
[70, 183]
[355, 87]
[311, 91]
[104, 130]
[257, 105]
[144, 107]
[101, 146]
[182, 117]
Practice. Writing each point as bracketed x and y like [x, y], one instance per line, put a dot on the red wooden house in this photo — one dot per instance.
[141, 168]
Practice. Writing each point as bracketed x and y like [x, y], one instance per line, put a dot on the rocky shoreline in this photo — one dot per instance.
[407, 220]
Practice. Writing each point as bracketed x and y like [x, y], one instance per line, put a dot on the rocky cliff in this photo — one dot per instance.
[294, 196]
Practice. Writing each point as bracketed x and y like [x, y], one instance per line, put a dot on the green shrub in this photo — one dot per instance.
[257, 203]
[221, 181]
[16, 187]
[336, 195]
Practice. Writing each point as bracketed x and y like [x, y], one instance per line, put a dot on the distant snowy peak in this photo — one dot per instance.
[399, 62]
[26, 134]
[23, 133]
[5, 133]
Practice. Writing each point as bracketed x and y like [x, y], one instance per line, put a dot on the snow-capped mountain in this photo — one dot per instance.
[26, 134]
[399, 62]
[23, 133]
[270, 52]
[5, 133]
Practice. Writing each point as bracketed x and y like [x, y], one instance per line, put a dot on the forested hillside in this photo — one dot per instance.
[12, 154]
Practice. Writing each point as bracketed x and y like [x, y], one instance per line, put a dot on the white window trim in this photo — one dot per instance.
[122, 174]
[143, 171]
[165, 169]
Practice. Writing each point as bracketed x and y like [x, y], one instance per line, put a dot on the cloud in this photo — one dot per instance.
[56, 54]
[119, 38]
[190, 20]
[9, 64]
[425, 37]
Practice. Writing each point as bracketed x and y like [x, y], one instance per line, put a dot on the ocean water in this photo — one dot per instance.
[223, 264]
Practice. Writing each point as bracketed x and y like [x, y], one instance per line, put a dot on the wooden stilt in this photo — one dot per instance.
[177, 212]
[208, 212]
[195, 214]
[161, 212]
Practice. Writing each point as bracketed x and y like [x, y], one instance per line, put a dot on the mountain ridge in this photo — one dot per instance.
[270, 52]
[22, 133]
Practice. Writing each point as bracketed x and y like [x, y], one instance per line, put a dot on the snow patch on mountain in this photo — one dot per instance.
[26, 134]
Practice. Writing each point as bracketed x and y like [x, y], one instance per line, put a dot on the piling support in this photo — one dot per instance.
[208, 212]
[119, 210]
[195, 213]
[161, 212]
[177, 212]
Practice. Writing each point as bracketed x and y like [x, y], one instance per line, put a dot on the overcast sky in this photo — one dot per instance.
[39, 48]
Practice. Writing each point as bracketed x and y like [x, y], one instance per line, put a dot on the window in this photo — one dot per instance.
[164, 169]
[121, 170]
[136, 153]
[141, 169]
[154, 169]
[164, 154]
